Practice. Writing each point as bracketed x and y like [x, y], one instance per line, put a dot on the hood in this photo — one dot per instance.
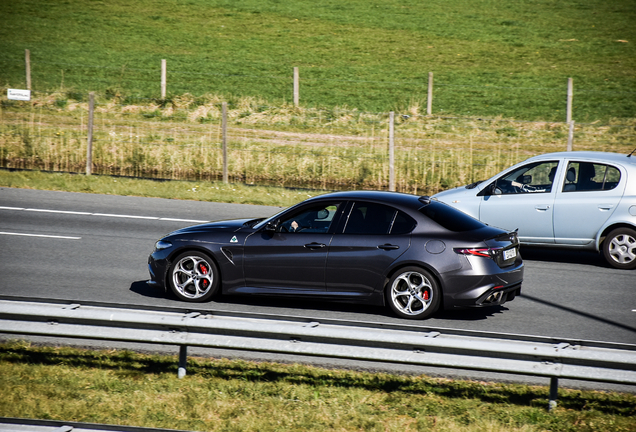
[460, 191]
[220, 226]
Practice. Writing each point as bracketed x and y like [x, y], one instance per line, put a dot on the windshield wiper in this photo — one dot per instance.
[473, 185]
[251, 223]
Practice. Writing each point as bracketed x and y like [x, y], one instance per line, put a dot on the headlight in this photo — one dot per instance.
[162, 244]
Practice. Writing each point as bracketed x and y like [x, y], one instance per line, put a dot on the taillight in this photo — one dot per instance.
[483, 252]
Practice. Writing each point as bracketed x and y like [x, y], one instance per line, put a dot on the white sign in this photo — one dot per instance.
[15, 94]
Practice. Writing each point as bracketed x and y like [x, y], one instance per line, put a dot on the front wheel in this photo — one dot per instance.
[413, 293]
[619, 248]
[193, 277]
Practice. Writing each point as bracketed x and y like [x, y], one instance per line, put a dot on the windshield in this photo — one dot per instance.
[262, 222]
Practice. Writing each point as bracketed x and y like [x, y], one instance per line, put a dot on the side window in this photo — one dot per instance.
[371, 218]
[532, 178]
[588, 176]
[314, 219]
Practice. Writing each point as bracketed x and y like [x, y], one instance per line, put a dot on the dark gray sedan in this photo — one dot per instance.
[415, 254]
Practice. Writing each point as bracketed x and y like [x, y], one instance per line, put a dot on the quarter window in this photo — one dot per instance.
[588, 176]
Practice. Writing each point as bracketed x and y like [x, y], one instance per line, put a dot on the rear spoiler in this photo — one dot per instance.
[512, 236]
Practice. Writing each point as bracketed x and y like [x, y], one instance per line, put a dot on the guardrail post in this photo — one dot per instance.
[554, 393]
[183, 359]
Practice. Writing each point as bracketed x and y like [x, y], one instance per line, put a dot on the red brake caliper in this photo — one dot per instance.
[204, 270]
[425, 296]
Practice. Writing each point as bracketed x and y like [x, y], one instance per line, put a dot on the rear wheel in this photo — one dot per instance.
[413, 293]
[619, 248]
[193, 277]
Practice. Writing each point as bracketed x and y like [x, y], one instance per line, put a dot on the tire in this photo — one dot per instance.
[619, 248]
[193, 277]
[413, 293]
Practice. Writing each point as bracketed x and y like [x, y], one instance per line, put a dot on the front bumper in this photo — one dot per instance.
[157, 267]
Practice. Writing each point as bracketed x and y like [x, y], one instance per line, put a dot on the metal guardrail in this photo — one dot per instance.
[12, 424]
[400, 344]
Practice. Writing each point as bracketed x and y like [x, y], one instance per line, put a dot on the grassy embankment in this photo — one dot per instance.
[510, 60]
[121, 387]
[500, 58]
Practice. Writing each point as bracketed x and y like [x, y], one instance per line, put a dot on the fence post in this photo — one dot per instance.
[391, 152]
[89, 144]
[27, 62]
[570, 135]
[569, 103]
[163, 78]
[429, 100]
[296, 87]
[224, 140]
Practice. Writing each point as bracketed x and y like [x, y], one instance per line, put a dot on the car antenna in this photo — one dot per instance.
[633, 151]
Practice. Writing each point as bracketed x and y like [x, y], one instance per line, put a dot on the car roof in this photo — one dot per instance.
[397, 198]
[588, 155]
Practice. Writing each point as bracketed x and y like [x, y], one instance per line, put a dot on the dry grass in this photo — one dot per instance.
[283, 146]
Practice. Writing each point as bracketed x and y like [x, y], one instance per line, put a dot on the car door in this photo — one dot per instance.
[523, 199]
[588, 196]
[292, 256]
[372, 237]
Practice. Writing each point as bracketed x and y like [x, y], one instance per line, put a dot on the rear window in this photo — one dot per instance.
[450, 218]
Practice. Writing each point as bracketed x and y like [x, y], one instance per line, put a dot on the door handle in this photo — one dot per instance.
[388, 247]
[605, 207]
[315, 245]
[542, 207]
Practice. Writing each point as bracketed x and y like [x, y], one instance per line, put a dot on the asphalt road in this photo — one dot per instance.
[94, 248]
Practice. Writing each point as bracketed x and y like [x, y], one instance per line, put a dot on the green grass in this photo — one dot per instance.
[127, 388]
[490, 58]
[173, 189]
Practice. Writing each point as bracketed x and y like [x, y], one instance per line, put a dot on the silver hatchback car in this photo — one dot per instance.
[584, 200]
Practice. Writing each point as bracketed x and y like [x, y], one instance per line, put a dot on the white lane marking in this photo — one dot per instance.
[125, 216]
[41, 235]
[182, 220]
[102, 214]
[57, 211]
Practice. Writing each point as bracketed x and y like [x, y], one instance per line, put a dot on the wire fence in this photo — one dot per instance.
[280, 145]
[493, 95]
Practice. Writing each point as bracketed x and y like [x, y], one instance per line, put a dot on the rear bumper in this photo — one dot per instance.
[481, 287]
[494, 297]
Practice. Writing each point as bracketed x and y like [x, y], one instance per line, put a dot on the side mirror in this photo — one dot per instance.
[488, 190]
[272, 225]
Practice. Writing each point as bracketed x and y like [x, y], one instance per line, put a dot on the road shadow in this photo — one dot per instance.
[586, 257]
[470, 314]
[142, 288]
[353, 310]
[579, 312]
